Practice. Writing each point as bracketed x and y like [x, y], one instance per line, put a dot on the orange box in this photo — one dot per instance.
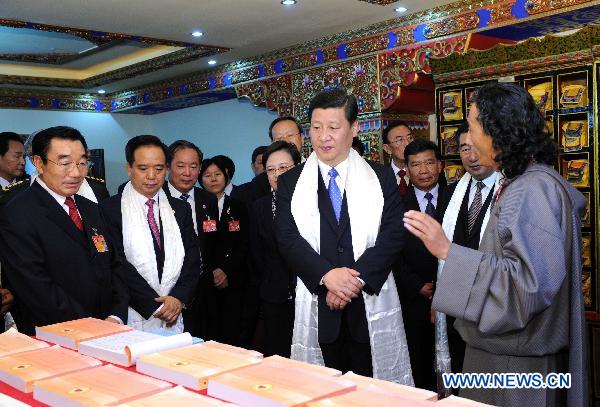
[23, 369]
[191, 366]
[371, 397]
[327, 371]
[100, 386]
[12, 341]
[276, 384]
[177, 396]
[70, 333]
[409, 392]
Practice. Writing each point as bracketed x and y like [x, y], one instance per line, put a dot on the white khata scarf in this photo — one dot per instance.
[442, 350]
[139, 251]
[84, 190]
[384, 315]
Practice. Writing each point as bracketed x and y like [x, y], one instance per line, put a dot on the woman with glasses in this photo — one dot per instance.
[277, 281]
[223, 287]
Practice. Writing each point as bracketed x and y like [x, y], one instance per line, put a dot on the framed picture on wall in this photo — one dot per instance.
[97, 160]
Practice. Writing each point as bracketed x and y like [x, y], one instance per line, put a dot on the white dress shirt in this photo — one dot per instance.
[228, 188]
[220, 204]
[423, 201]
[488, 183]
[340, 180]
[176, 194]
[143, 199]
[5, 182]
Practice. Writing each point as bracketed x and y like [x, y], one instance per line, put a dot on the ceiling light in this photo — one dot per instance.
[101, 91]
[400, 9]
[288, 2]
[197, 33]
[212, 62]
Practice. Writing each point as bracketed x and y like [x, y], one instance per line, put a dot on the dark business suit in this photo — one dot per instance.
[141, 294]
[205, 205]
[416, 267]
[463, 238]
[54, 270]
[252, 190]
[276, 280]
[223, 306]
[341, 330]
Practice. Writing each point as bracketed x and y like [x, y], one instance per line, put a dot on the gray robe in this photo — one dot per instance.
[518, 299]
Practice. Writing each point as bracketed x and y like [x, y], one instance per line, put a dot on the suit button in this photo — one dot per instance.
[340, 250]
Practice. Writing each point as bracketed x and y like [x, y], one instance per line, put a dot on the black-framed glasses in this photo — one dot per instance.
[279, 169]
[67, 166]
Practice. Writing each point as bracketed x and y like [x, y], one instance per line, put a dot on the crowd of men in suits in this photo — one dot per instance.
[309, 249]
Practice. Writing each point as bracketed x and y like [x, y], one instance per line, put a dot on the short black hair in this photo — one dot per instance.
[282, 119]
[335, 98]
[180, 145]
[41, 142]
[142, 141]
[227, 163]
[356, 143]
[509, 115]
[258, 151]
[282, 146]
[220, 165]
[5, 138]
[391, 126]
[462, 129]
[420, 145]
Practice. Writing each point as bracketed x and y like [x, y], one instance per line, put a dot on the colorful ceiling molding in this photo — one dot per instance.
[543, 6]
[183, 102]
[380, 2]
[274, 94]
[529, 55]
[29, 99]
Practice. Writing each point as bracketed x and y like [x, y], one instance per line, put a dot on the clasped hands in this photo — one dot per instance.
[171, 308]
[342, 285]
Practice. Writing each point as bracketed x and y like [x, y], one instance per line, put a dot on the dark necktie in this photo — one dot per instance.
[402, 185]
[334, 194]
[429, 209]
[184, 197]
[74, 214]
[273, 204]
[475, 207]
[152, 222]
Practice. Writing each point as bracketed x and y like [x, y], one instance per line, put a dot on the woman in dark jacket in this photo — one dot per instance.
[223, 286]
[277, 281]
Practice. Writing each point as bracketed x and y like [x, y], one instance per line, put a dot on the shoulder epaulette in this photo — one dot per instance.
[100, 180]
[15, 184]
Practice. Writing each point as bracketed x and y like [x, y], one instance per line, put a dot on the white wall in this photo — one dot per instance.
[101, 130]
[233, 128]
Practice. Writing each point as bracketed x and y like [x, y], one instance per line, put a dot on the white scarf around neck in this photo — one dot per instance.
[139, 251]
[384, 316]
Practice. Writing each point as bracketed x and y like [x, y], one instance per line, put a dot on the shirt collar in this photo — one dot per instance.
[143, 199]
[489, 182]
[58, 197]
[4, 182]
[175, 193]
[421, 194]
[341, 168]
[394, 167]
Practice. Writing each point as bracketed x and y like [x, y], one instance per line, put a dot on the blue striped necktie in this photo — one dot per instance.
[334, 194]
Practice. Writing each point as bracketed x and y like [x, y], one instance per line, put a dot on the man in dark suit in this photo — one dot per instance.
[57, 255]
[415, 270]
[184, 164]
[469, 215]
[161, 283]
[331, 184]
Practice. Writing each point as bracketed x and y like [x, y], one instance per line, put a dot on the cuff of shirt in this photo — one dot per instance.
[119, 320]
[158, 309]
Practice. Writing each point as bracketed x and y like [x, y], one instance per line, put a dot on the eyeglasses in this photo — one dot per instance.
[406, 139]
[280, 169]
[68, 166]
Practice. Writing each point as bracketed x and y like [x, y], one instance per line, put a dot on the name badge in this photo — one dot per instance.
[234, 225]
[209, 226]
[100, 243]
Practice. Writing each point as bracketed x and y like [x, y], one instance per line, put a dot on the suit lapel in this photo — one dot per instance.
[344, 217]
[56, 214]
[410, 200]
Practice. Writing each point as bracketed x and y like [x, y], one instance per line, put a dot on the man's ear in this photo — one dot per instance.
[128, 169]
[36, 160]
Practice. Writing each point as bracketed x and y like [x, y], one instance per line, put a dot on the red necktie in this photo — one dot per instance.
[402, 186]
[74, 214]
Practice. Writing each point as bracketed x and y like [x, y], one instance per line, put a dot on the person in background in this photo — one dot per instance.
[415, 270]
[464, 210]
[224, 297]
[287, 128]
[517, 299]
[257, 160]
[276, 279]
[12, 158]
[155, 233]
[229, 166]
[358, 146]
[184, 163]
[396, 136]
[57, 256]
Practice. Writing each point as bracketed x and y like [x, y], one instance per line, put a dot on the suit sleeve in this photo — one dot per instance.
[257, 249]
[141, 295]
[186, 285]
[120, 292]
[23, 263]
[235, 263]
[375, 264]
[303, 259]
